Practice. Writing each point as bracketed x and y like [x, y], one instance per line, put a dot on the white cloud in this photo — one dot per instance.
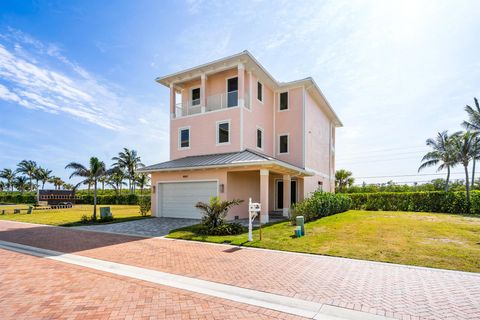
[38, 76]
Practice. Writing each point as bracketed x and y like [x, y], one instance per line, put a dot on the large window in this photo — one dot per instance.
[284, 101]
[259, 138]
[283, 143]
[259, 91]
[184, 138]
[223, 132]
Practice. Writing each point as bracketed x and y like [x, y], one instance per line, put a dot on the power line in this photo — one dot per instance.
[413, 175]
[376, 156]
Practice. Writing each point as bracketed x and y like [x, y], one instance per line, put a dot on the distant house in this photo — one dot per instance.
[236, 132]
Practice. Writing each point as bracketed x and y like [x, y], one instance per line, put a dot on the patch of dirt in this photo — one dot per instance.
[445, 240]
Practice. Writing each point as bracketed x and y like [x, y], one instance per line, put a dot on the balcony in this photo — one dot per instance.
[214, 103]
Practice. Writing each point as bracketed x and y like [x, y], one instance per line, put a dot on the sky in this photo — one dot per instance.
[77, 77]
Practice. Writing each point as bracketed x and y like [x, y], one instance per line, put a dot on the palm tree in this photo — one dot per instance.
[103, 180]
[443, 154]
[343, 179]
[115, 179]
[2, 185]
[43, 175]
[95, 170]
[473, 124]
[466, 147]
[20, 183]
[129, 161]
[9, 175]
[142, 181]
[28, 167]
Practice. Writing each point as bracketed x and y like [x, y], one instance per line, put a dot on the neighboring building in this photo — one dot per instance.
[57, 197]
[238, 133]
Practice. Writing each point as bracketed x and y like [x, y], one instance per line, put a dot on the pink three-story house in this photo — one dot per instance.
[237, 133]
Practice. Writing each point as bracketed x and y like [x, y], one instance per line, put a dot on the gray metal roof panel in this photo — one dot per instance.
[246, 156]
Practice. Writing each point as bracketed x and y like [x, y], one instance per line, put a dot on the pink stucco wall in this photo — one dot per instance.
[259, 115]
[291, 121]
[318, 131]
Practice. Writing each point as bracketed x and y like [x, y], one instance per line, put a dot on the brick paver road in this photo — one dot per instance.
[36, 288]
[395, 291]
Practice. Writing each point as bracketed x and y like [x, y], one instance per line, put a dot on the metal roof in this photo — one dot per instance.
[246, 157]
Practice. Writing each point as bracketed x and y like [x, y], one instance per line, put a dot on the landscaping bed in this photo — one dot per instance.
[414, 238]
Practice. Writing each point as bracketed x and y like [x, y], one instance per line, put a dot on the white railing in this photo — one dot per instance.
[215, 102]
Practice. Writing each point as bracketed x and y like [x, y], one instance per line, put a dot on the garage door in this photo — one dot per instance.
[177, 200]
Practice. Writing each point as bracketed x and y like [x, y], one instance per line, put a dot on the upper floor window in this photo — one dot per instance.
[195, 96]
[260, 91]
[223, 132]
[283, 143]
[284, 101]
[232, 92]
[184, 138]
[259, 138]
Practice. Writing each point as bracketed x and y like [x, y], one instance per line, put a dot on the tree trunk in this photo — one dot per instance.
[467, 187]
[473, 175]
[31, 185]
[95, 200]
[448, 179]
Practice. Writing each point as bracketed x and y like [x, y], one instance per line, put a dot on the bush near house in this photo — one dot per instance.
[434, 201]
[320, 204]
[213, 219]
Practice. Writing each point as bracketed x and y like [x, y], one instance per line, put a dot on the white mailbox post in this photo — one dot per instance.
[253, 211]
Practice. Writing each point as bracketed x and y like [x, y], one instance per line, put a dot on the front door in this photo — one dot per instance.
[279, 198]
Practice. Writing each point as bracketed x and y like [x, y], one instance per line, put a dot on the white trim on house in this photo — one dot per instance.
[200, 114]
[262, 140]
[179, 138]
[304, 135]
[157, 213]
[217, 124]
[274, 110]
[288, 143]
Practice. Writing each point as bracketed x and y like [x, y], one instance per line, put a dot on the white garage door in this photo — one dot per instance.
[178, 199]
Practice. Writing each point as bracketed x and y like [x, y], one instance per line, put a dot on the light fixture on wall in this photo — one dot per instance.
[221, 188]
[153, 189]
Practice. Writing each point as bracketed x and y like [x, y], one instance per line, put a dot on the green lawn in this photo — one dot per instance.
[414, 238]
[70, 217]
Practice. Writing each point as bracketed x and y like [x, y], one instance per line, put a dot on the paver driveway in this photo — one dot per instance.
[385, 289]
[154, 227]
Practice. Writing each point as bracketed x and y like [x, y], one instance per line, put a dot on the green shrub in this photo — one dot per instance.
[321, 204]
[16, 197]
[428, 201]
[145, 204]
[225, 229]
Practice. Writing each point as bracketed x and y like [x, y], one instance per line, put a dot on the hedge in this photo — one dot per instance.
[29, 197]
[321, 204]
[431, 201]
[17, 197]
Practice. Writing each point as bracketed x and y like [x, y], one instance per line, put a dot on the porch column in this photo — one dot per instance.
[203, 94]
[241, 85]
[287, 185]
[172, 101]
[264, 174]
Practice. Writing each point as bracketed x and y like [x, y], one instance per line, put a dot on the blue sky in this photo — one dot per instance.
[77, 79]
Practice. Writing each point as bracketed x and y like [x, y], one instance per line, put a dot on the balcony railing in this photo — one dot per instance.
[216, 102]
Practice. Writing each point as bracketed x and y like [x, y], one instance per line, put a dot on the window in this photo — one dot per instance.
[259, 138]
[195, 97]
[232, 92]
[284, 101]
[223, 132]
[184, 138]
[260, 91]
[283, 143]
